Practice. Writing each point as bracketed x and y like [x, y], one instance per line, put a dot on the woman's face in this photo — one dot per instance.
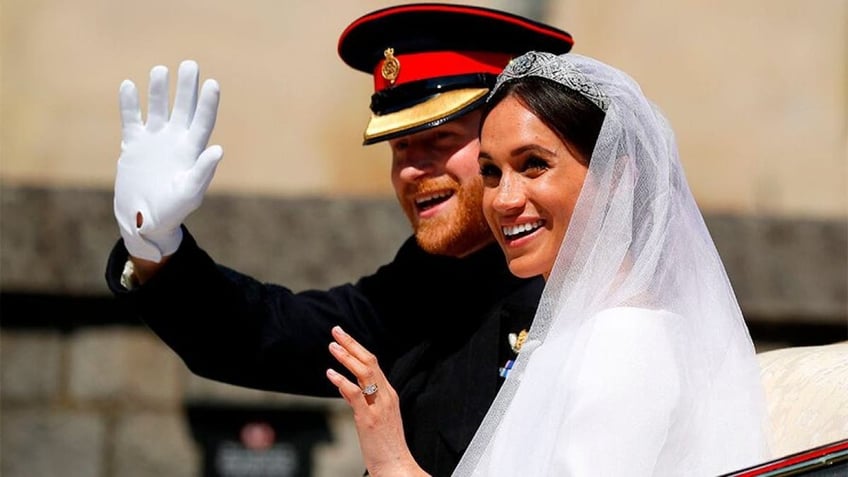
[531, 182]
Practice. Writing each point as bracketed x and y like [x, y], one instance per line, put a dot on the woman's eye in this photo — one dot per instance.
[489, 171]
[536, 164]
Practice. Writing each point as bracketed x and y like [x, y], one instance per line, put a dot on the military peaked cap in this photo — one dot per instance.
[433, 62]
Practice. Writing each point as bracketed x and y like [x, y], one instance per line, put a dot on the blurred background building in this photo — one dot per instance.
[757, 92]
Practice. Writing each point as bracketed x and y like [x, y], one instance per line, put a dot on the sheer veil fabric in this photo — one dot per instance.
[639, 361]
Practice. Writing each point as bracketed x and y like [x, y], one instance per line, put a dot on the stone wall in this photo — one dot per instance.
[112, 401]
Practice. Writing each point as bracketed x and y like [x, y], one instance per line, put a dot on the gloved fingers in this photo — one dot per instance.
[185, 99]
[206, 113]
[157, 105]
[130, 110]
[200, 175]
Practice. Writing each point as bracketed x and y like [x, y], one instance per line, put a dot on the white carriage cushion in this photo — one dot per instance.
[806, 390]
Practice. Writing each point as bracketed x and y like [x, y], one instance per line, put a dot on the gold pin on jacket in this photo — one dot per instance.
[517, 341]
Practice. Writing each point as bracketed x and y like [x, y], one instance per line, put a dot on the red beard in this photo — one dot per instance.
[455, 232]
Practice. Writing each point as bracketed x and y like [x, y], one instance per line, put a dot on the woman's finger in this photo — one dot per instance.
[364, 374]
[348, 390]
[359, 361]
[353, 346]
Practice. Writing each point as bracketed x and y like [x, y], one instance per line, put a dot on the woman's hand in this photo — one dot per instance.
[376, 410]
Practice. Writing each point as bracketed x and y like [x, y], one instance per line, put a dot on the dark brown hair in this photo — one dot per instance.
[571, 116]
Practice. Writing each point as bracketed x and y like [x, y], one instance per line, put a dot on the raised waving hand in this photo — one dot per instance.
[165, 166]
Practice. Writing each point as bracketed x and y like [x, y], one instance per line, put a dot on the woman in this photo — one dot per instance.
[638, 361]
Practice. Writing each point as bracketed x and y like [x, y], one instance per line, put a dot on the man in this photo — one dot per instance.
[438, 316]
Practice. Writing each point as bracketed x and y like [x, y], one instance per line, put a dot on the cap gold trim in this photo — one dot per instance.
[437, 107]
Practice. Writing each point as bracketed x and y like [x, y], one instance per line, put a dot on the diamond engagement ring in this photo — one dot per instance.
[369, 390]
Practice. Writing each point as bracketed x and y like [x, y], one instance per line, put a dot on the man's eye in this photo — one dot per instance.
[445, 137]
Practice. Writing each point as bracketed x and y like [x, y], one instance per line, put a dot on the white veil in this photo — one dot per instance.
[636, 239]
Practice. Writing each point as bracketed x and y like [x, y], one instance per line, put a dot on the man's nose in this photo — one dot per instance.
[416, 164]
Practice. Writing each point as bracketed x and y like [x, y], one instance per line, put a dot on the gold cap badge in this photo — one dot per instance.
[391, 66]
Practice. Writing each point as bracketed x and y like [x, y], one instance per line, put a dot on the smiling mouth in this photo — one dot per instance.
[513, 232]
[431, 200]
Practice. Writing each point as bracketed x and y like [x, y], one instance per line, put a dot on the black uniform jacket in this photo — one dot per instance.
[438, 326]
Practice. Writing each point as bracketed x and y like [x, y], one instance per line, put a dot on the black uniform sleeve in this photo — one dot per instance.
[229, 327]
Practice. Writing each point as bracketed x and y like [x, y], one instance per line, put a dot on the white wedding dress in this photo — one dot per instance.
[638, 362]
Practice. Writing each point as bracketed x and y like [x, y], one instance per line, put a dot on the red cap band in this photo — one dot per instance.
[434, 64]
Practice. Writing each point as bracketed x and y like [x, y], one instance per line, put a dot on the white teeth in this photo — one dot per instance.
[437, 195]
[513, 230]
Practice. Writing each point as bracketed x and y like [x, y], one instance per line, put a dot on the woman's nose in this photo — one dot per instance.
[509, 195]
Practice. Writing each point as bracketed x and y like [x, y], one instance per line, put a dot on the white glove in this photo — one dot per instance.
[165, 167]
